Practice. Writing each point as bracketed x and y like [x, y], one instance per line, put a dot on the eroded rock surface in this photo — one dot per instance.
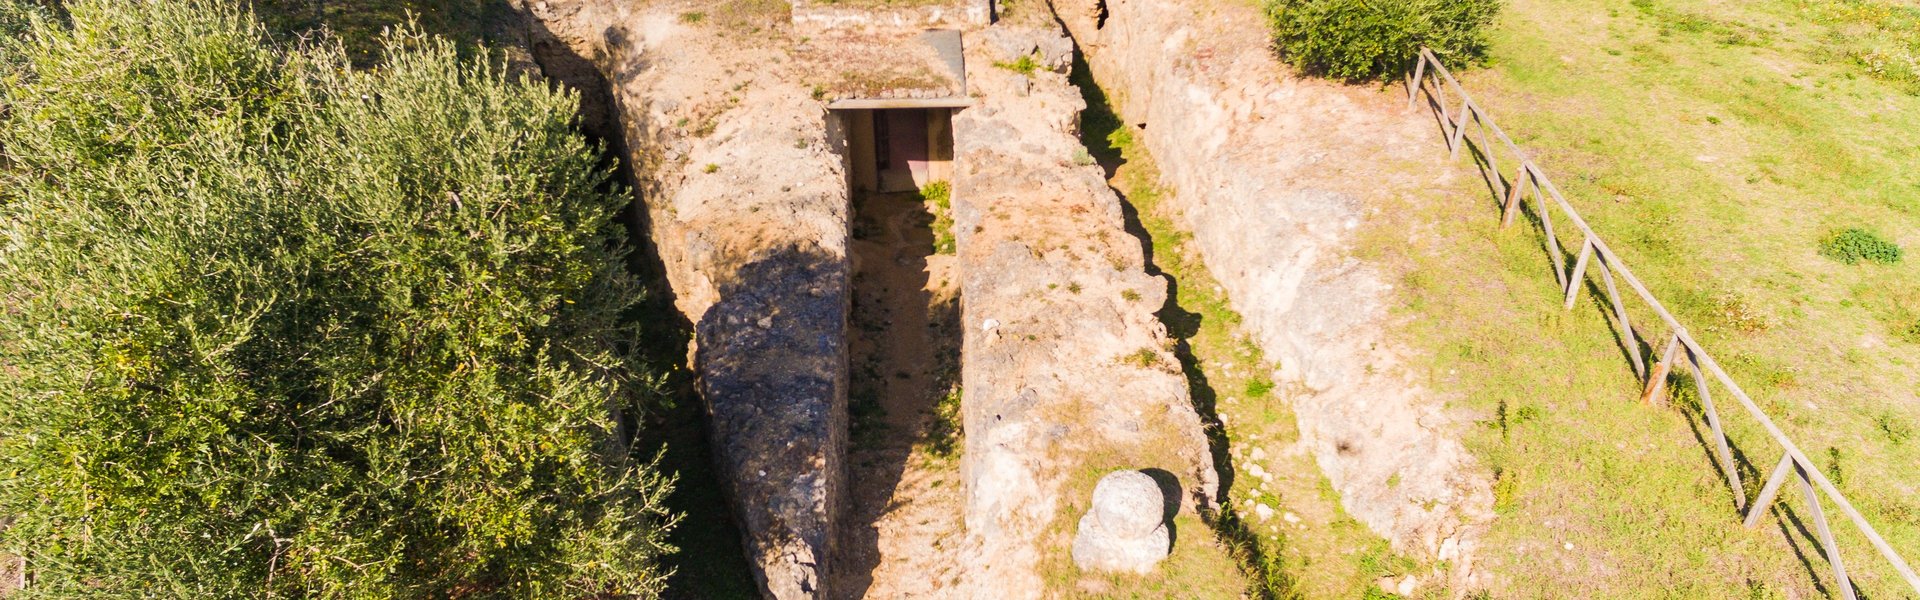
[1067, 369]
[1256, 157]
[746, 209]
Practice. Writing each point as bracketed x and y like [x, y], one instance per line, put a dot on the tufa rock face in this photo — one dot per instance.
[1126, 529]
[1057, 300]
[744, 206]
[1255, 156]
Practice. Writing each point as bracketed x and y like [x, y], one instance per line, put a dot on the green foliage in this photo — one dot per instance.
[1258, 387]
[938, 196]
[1025, 65]
[271, 326]
[360, 25]
[16, 24]
[16, 19]
[1359, 40]
[1854, 245]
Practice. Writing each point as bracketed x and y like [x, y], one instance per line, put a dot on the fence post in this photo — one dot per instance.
[1579, 272]
[1767, 491]
[1719, 434]
[1513, 193]
[1419, 72]
[1460, 129]
[1826, 534]
[1657, 380]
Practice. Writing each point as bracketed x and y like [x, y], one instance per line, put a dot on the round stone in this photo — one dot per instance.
[1124, 530]
[1128, 504]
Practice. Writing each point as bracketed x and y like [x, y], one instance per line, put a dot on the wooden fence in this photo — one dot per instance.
[1455, 108]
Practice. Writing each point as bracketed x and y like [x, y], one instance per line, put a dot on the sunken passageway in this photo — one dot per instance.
[902, 522]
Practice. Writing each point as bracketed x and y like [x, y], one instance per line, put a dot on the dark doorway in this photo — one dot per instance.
[899, 149]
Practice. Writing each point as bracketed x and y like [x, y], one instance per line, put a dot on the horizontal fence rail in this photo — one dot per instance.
[1455, 109]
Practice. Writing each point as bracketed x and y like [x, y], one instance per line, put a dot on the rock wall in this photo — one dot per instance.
[1067, 371]
[745, 205]
[1254, 155]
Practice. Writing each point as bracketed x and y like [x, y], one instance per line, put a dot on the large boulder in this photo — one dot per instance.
[1126, 529]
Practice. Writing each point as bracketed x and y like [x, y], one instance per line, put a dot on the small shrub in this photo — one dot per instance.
[1358, 40]
[1854, 245]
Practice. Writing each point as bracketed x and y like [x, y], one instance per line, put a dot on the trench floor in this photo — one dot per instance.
[902, 525]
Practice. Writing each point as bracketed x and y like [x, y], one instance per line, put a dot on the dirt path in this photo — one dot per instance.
[903, 521]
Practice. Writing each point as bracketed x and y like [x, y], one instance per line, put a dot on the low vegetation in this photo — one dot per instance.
[270, 325]
[1025, 65]
[360, 25]
[1882, 37]
[1359, 40]
[1854, 245]
[938, 196]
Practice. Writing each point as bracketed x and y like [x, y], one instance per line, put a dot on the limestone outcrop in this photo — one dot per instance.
[1126, 530]
[1067, 369]
[745, 207]
[1243, 142]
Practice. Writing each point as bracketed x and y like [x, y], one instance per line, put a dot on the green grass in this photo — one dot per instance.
[1714, 145]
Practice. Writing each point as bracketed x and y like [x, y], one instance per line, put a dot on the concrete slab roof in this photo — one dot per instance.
[923, 69]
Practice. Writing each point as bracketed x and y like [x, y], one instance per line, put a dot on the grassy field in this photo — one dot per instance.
[1714, 145]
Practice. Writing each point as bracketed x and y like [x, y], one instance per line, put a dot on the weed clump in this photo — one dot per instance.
[1025, 65]
[939, 198]
[1363, 40]
[1258, 387]
[1144, 357]
[1854, 245]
